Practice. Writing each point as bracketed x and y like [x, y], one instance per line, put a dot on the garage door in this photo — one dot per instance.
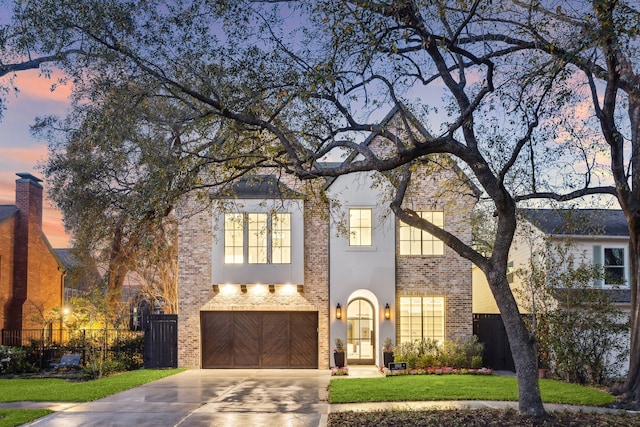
[259, 339]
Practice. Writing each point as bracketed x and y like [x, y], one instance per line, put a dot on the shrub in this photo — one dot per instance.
[20, 360]
[426, 353]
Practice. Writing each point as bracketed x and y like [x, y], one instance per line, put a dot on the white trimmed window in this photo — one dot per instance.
[260, 238]
[421, 317]
[613, 260]
[414, 241]
[233, 238]
[360, 227]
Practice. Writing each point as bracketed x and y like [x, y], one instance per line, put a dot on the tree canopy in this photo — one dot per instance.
[286, 84]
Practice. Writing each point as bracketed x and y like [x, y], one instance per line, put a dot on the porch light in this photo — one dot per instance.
[338, 311]
[387, 312]
[243, 289]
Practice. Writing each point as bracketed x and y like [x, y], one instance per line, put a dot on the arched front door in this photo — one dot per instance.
[361, 332]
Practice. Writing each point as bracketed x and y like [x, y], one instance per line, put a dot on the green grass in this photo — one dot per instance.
[60, 390]
[16, 417]
[457, 387]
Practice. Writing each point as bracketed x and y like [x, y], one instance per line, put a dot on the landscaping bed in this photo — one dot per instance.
[477, 418]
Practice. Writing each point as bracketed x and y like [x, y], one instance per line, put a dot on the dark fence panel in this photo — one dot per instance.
[48, 345]
[490, 331]
[161, 341]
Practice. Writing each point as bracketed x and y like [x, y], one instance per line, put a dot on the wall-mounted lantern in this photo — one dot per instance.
[387, 312]
[338, 311]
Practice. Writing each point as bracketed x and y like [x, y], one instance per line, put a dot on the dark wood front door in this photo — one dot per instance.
[259, 339]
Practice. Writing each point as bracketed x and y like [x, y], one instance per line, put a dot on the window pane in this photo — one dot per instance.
[360, 231]
[281, 238]
[257, 231]
[233, 238]
[614, 256]
[419, 242]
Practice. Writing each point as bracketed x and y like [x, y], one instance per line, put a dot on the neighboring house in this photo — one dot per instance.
[593, 236]
[273, 275]
[31, 274]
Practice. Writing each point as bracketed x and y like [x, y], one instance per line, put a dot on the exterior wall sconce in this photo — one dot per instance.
[338, 311]
[272, 289]
[243, 289]
[387, 312]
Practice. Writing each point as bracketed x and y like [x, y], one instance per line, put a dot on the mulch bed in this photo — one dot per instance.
[478, 418]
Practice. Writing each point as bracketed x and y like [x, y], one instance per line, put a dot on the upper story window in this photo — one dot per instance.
[613, 261]
[414, 241]
[360, 227]
[260, 238]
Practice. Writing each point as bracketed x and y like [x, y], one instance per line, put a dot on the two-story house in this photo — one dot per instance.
[273, 275]
[590, 236]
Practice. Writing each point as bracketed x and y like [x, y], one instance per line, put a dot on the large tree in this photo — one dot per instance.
[595, 47]
[285, 84]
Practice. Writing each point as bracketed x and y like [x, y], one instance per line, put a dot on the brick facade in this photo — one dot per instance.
[196, 292]
[31, 276]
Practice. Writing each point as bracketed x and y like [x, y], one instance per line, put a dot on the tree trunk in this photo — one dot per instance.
[522, 347]
[632, 384]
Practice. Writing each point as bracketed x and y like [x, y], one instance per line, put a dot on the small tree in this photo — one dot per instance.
[578, 328]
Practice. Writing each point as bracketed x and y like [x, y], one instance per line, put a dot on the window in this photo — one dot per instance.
[414, 241]
[281, 238]
[614, 266]
[613, 262]
[421, 317]
[233, 239]
[360, 230]
[259, 238]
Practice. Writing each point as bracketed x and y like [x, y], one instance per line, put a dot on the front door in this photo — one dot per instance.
[361, 332]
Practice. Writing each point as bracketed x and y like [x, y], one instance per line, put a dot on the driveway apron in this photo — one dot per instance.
[210, 397]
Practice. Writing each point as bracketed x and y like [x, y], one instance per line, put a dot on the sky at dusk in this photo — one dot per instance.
[20, 152]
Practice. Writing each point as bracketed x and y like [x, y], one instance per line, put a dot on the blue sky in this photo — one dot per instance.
[20, 152]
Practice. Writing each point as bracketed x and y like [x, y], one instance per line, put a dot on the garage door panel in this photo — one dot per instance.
[218, 345]
[304, 338]
[246, 340]
[275, 340]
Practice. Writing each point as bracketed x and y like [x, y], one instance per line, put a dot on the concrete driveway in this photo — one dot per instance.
[209, 397]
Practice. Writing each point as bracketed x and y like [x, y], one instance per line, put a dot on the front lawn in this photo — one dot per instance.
[60, 390]
[457, 387]
[16, 417]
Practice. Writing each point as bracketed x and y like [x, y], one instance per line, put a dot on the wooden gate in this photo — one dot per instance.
[490, 331]
[161, 341]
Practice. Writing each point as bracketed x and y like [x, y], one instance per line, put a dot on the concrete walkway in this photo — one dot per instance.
[248, 397]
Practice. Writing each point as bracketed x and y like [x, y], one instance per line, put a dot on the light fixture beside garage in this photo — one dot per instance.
[338, 311]
[387, 312]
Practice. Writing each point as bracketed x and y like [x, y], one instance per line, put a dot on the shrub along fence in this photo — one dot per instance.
[46, 346]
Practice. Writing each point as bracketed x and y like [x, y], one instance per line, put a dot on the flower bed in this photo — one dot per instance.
[437, 371]
[337, 372]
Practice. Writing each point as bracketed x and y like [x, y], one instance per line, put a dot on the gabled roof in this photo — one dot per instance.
[258, 187]
[578, 222]
[66, 258]
[418, 126]
[7, 211]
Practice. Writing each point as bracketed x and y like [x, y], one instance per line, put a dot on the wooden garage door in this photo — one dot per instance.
[259, 339]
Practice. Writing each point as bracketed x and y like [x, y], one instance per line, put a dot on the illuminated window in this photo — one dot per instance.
[259, 238]
[421, 317]
[360, 230]
[281, 238]
[233, 238]
[414, 241]
[257, 226]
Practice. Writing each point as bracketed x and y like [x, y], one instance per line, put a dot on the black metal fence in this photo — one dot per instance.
[48, 345]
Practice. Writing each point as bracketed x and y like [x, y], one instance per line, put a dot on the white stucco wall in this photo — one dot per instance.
[367, 272]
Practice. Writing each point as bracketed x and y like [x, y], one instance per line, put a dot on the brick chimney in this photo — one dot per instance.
[28, 228]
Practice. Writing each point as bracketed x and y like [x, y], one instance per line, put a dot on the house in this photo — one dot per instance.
[272, 275]
[591, 237]
[31, 274]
